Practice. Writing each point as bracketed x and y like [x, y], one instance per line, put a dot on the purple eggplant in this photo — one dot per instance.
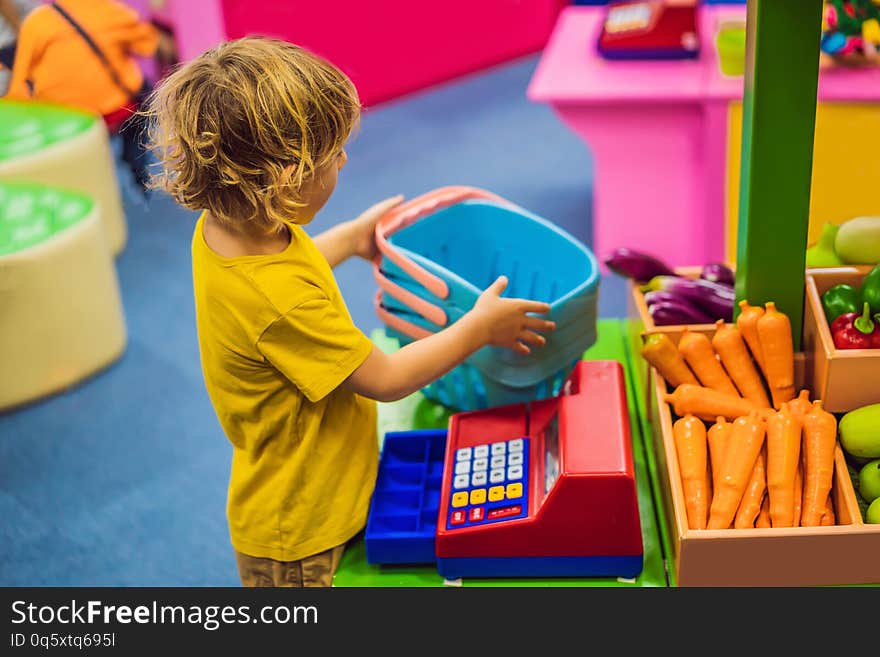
[669, 301]
[666, 313]
[640, 267]
[718, 272]
[714, 298]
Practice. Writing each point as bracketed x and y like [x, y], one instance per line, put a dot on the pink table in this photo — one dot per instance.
[658, 134]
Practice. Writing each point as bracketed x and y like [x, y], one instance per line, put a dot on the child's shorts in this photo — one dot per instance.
[315, 571]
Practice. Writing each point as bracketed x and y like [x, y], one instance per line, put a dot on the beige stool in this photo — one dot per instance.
[62, 316]
[63, 147]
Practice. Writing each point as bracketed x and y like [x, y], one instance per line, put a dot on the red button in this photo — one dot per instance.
[457, 518]
[477, 513]
[505, 512]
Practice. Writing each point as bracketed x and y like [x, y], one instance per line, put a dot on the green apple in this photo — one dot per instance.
[869, 481]
[860, 432]
[872, 517]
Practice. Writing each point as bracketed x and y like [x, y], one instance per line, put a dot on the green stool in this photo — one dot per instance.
[62, 316]
[63, 147]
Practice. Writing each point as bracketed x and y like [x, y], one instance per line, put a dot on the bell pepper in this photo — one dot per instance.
[856, 330]
[841, 299]
[871, 289]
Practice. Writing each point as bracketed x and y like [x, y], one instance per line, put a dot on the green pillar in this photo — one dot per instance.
[779, 117]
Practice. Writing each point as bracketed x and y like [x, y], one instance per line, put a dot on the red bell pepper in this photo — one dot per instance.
[856, 330]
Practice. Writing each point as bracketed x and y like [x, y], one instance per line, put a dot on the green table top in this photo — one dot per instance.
[416, 412]
[32, 213]
[27, 127]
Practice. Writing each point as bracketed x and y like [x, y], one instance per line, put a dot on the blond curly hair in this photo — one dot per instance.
[242, 129]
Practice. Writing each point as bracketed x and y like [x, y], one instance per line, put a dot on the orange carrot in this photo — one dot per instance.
[801, 405]
[729, 344]
[660, 351]
[753, 497]
[783, 458]
[700, 355]
[691, 448]
[718, 435]
[798, 493]
[764, 516]
[747, 322]
[774, 332]
[707, 404]
[746, 441]
[820, 440]
[828, 519]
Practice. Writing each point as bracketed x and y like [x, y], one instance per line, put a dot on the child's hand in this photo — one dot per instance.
[365, 227]
[507, 322]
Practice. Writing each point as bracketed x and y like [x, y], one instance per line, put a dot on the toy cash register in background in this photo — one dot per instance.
[527, 490]
[650, 29]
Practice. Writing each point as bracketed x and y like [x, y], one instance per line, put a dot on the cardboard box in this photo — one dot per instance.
[798, 556]
[843, 379]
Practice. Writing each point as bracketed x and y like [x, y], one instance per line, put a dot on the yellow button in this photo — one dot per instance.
[478, 496]
[459, 499]
[514, 491]
[496, 493]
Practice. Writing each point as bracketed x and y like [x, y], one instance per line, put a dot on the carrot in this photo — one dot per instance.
[728, 342]
[746, 322]
[746, 441]
[700, 355]
[801, 405]
[763, 519]
[828, 519]
[798, 494]
[717, 436]
[774, 332]
[820, 440]
[783, 458]
[707, 404]
[660, 351]
[689, 433]
[753, 497]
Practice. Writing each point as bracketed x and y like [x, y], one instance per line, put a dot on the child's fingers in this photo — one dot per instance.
[521, 348]
[530, 337]
[498, 286]
[538, 307]
[538, 324]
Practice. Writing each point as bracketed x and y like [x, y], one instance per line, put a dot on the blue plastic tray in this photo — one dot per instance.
[402, 522]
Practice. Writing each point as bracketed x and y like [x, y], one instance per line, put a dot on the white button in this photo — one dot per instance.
[481, 451]
[462, 467]
[496, 476]
[460, 481]
[515, 445]
[498, 461]
[463, 454]
[481, 464]
[514, 472]
[498, 448]
[515, 459]
[478, 479]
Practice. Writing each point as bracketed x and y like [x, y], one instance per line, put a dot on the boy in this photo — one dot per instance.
[252, 133]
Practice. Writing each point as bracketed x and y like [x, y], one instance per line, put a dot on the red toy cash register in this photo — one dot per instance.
[543, 489]
[650, 29]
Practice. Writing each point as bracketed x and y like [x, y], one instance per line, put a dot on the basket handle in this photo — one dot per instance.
[408, 213]
[424, 308]
[398, 324]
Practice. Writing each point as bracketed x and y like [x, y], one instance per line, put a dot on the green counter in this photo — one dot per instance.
[416, 412]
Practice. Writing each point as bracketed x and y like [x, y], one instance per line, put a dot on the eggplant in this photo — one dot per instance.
[718, 272]
[715, 299]
[666, 313]
[669, 301]
[638, 266]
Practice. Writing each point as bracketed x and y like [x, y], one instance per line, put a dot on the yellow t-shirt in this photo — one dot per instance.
[276, 342]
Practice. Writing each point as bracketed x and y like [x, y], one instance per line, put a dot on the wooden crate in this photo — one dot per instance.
[843, 379]
[798, 556]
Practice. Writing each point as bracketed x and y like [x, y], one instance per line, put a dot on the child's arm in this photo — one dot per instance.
[355, 237]
[493, 320]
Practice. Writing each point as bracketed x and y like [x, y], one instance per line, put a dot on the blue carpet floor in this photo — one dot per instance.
[122, 479]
